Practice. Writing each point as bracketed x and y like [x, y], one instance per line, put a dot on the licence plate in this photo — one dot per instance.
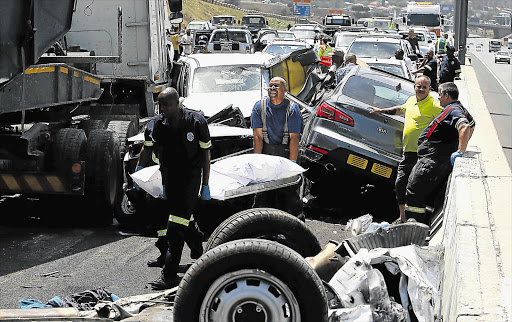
[5, 164]
[357, 162]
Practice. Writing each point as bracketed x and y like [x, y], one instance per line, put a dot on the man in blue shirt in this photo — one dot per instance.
[277, 124]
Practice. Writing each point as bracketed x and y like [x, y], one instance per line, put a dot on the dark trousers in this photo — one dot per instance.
[182, 195]
[404, 170]
[427, 175]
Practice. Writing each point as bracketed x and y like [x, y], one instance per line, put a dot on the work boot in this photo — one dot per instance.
[164, 282]
[159, 262]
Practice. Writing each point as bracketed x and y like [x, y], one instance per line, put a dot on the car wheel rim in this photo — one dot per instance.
[127, 207]
[249, 295]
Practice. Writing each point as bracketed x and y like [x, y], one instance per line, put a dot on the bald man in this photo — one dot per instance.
[277, 124]
[183, 142]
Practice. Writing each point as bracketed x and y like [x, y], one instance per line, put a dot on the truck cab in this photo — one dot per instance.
[254, 23]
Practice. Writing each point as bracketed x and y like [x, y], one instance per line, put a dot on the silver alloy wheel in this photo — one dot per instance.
[127, 206]
[249, 295]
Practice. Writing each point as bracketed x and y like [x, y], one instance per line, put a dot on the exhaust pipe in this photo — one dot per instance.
[330, 167]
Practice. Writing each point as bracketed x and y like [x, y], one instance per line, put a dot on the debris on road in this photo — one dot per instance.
[49, 274]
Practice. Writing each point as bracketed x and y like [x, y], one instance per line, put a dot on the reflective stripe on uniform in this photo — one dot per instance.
[148, 143]
[205, 145]
[154, 158]
[457, 71]
[461, 121]
[417, 210]
[179, 220]
[161, 233]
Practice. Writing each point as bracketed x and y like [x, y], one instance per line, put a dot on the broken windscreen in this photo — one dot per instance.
[226, 79]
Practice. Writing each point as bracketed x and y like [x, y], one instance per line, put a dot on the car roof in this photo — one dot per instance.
[393, 40]
[288, 42]
[388, 61]
[228, 59]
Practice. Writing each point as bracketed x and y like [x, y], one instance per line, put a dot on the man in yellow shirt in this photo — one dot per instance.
[419, 111]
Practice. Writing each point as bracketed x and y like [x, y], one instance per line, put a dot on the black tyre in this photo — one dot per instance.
[124, 211]
[124, 130]
[69, 145]
[266, 223]
[89, 125]
[103, 173]
[251, 280]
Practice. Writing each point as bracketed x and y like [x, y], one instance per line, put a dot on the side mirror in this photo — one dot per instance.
[413, 57]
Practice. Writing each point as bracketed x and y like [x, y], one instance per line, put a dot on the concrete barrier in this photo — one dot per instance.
[477, 224]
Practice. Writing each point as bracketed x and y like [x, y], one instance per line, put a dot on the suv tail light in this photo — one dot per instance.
[327, 111]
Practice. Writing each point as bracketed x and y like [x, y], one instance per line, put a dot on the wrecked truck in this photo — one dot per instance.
[76, 80]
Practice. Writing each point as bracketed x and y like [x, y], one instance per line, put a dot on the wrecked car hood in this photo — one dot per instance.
[211, 103]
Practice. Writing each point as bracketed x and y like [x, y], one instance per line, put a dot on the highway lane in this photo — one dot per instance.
[82, 257]
[495, 80]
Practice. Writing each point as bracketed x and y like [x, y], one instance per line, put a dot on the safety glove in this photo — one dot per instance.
[455, 155]
[205, 193]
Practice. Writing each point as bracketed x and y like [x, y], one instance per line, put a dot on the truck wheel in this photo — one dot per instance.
[69, 145]
[89, 125]
[266, 223]
[124, 130]
[103, 173]
[251, 280]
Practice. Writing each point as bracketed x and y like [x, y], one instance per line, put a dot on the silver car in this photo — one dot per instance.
[342, 135]
[226, 40]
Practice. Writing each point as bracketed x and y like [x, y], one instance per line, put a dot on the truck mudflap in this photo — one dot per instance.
[49, 85]
[70, 183]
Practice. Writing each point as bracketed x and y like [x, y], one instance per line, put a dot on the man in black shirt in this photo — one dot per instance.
[413, 41]
[450, 66]
[429, 68]
[449, 131]
[183, 143]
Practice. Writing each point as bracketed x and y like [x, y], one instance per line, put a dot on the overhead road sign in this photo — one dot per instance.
[301, 10]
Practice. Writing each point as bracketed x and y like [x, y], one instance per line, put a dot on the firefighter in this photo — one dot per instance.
[442, 141]
[183, 142]
[148, 157]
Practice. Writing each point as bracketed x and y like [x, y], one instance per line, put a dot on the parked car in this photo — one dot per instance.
[383, 46]
[342, 40]
[280, 47]
[199, 25]
[266, 36]
[393, 66]
[223, 20]
[502, 56]
[341, 135]
[306, 32]
[209, 83]
[231, 40]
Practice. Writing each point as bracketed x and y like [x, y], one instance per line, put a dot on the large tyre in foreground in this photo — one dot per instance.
[251, 280]
[266, 223]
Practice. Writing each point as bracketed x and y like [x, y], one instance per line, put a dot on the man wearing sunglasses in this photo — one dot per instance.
[277, 124]
[451, 130]
[419, 111]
